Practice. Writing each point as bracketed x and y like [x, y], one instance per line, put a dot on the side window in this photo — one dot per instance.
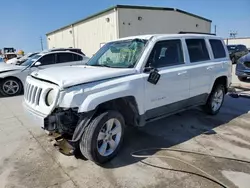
[243, 48]
[166, 53]
[77, 57]
[197, 50]
[217, 48]
[64, 57]
[47, 59]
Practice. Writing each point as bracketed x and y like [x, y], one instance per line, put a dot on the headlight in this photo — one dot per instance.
[50, 97]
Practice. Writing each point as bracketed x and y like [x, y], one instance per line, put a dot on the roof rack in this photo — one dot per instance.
[187, 32]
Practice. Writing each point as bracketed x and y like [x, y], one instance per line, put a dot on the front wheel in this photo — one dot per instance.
[215, 100]
[103, 137]
[11, 87]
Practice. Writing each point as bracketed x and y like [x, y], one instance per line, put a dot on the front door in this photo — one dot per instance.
[171, 91]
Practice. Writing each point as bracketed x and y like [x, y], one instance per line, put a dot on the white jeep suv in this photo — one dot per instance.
[130, 82]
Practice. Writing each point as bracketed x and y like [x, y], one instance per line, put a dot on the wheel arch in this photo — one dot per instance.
[126, 105]
[14, 78]
[221, 80]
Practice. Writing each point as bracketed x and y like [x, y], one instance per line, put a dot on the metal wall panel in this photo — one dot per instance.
[142, 21]
[244, 41]
[89, 35]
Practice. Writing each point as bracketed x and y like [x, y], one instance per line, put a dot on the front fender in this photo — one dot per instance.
[92, 101]
[15, 74]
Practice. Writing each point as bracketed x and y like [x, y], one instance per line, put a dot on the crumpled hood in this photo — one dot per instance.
[9, 67]
[67, 76]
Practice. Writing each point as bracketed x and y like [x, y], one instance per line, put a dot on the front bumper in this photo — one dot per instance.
[36, 117]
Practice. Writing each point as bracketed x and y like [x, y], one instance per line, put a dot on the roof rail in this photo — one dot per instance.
[187, 32]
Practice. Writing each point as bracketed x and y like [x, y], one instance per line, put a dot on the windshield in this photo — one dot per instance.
[231, 47]
[29, 61]
[119, 54]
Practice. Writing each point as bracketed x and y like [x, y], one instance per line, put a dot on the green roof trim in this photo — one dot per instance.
[128, 7]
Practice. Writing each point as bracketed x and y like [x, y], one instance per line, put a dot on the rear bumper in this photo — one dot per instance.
[35, 117]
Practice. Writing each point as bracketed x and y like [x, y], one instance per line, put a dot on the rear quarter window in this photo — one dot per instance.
[217, 48]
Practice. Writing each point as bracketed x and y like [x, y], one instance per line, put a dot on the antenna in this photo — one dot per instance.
[41, 40]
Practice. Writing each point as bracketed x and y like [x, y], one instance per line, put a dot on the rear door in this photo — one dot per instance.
[200, 66]
[221, 62]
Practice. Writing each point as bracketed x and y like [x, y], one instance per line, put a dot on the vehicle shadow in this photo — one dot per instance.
[176, 129]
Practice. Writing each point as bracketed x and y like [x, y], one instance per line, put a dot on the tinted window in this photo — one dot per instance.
[242, 48]
[47, 59]
[64, 57]
[197, 50]
[77, 57]
[166, 53]
[217, 48]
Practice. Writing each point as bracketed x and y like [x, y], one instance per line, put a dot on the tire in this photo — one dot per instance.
[242, 78]
[209, 106]
[16, 89]
[89, 145]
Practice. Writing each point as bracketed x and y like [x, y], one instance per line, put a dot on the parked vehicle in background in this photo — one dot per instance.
[1, 60]
[13, 60]
[243, 68]
[24, 58]
[9, 56]
[237, 51]
[130, 82]
[76, 50]
[12, 77]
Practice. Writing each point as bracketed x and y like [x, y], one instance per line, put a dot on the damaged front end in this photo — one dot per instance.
[67, 127]
[63, 121]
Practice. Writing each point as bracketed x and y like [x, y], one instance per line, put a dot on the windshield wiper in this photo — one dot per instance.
[97, 65]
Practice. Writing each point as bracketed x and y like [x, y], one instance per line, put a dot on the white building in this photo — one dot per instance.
[91, 33]
[244, 40]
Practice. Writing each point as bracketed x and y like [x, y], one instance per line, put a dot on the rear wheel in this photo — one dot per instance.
[11, 87]
[215, 99]
[242, 78]
[103, 137]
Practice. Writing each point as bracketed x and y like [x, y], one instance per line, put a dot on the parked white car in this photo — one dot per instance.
[12, 77]
[130, 82]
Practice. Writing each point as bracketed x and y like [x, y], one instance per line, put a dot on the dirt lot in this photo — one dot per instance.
[28, 159]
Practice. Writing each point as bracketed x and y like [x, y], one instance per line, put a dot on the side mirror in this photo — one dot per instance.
[37, 64]
[154, 76]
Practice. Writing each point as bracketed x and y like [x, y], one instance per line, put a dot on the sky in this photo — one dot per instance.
[24, 22]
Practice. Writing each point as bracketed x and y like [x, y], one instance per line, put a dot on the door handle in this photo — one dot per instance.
[180, 73]
[210, 67]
